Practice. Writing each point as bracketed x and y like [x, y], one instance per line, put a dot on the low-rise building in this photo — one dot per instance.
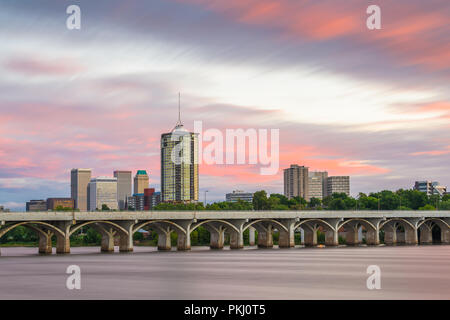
[239, 195]
[36, 205]
[430, 187]
[54, 203]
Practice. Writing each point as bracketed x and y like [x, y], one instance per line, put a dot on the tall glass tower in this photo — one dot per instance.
[179, 164]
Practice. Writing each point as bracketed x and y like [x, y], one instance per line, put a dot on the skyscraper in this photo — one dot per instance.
[123, 187]
[79, 180]
[103, 191]
[179, 164]
[141, 181]
[296, 182]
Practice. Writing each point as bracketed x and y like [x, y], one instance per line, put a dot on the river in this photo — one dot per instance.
[407, 272]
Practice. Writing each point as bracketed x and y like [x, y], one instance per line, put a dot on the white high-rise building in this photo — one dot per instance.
[103, 191]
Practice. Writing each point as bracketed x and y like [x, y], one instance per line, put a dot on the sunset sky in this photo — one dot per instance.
[372, 104]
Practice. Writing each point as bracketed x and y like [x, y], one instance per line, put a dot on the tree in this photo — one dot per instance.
[314, 203]
[427, 207]
[260, 201]
[105, 207]
[445, 205]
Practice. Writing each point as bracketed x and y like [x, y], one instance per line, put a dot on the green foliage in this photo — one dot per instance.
[427, 207]
[138, 236]
[169, 206]
[260, 201]
[224, 205]
[105, 207]
[445, 205]
[61, 208]
[20, 234]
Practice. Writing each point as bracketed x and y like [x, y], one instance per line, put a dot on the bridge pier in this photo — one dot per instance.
[184, 236]
[310, 235]
[107, 244]
[390, 233]
[251, 236]
[237, 236]
[164, 241]
[63, 240]
[184, 242]
[126, 238]
[426, 236]
[352, 234]
[411, 237]
[45, 242]
[445, 236]
[107, 233]
[331, 232]
[331, 238]
[236, 240]
[372, 237]
[265, 236]
[217, 238]
[286, 238]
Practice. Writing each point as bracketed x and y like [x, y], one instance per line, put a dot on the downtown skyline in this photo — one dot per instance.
[371, 105]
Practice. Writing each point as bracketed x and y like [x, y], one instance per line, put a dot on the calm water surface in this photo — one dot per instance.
[407, 272]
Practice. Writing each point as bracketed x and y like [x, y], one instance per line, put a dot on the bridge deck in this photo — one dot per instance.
[181, 215]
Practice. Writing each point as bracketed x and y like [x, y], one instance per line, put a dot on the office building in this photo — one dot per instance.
[323, 176]
[424, 186]
[79, 180]
[141, 181]
[36, 205]
[136, 202]
[296, 182]
[179, 176]
[439, 190]
[151, 198]
[338, 184]
[103, 191]
[54, 203]
[315, 187]
[430, 187]
[124, 185]
[239, 195]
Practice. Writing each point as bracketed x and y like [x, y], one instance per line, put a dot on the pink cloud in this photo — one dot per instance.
[39, 66]
[432, 152]
[412, 33]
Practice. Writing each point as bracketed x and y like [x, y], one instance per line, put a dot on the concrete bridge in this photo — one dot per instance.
[407, 227]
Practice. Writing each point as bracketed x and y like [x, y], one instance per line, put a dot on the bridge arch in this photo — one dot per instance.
[115, 225]
[146, 223]
[361, 221]
[29, 224]
[402, 221]
[318, 221]
[214, 220]
[438, 221]
[273, 221]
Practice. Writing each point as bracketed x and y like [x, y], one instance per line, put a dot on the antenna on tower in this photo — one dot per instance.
[179, 111]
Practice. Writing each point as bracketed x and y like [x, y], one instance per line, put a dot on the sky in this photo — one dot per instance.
[372, 104]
